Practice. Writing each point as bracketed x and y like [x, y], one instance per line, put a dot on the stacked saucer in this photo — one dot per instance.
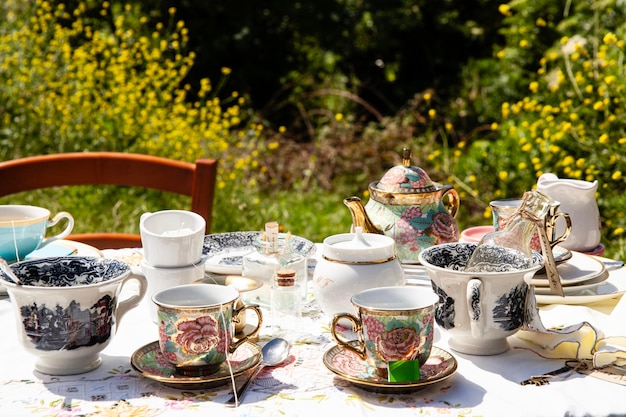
[172, 250]
[579, 273]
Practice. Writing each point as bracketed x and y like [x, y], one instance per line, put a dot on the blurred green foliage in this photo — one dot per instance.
[305, 103]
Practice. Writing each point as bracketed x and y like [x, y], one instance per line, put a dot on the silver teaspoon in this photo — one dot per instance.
[8, 271]
[273, 354]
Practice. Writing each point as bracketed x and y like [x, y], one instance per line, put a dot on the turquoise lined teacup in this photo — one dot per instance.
[23, 230]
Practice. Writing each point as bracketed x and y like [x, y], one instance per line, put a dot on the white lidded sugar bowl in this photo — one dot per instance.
[353, 262]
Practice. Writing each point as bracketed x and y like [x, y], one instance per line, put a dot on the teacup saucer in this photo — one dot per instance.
[349, 366]
[579, 269]
[150, 363]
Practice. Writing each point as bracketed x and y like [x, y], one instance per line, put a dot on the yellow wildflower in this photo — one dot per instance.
[505, 9]
[603, 139]
[610, 39]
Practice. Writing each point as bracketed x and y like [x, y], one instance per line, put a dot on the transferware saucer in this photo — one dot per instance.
[349, 366]
[226, 250]
[150, 363]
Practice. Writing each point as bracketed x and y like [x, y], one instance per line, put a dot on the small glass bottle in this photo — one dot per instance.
[273, 252]
[286, 303]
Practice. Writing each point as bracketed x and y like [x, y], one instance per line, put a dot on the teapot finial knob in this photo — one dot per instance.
[406, 157]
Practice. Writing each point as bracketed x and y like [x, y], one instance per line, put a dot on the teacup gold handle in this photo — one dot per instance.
[257, 310]
[357, 327]
[551, 228]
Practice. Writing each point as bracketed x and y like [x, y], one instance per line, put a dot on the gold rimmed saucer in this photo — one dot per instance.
[150, 363]
[346, 364]
[578, 270]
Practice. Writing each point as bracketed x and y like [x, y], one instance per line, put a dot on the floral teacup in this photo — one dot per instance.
[392, 324]
[196, 326]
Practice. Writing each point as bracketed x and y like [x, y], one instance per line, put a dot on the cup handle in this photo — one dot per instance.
[124, 306]
[552, 228]
[474, 307]
[65, 233]
[236, 312]
[357, 327]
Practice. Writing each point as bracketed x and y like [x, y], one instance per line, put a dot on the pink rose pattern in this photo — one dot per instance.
[201, 336]
[398, 338]
[417, 227]
[444, 227]
[398, 176]
[394, 176]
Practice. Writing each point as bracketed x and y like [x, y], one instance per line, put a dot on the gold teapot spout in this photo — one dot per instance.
[359, 216]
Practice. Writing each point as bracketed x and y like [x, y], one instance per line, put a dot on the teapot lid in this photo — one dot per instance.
[405, 178]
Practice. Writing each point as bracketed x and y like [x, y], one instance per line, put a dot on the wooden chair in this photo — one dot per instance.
[113, 168]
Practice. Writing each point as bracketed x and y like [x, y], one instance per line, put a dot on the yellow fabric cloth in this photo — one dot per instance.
[595, 331]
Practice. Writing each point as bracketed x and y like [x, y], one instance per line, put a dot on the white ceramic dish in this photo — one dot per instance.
[611, 288]
[577, 270]
[226, 250]
[578, 288]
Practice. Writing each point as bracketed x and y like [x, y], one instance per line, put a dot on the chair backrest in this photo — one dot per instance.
[113, 168]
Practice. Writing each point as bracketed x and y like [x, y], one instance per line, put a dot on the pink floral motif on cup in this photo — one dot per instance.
[200, 335]
[394, 338]
[164, 338]
[398, 344]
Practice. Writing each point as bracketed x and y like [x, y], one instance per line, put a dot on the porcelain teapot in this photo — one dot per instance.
[578, 199]
[409, 207]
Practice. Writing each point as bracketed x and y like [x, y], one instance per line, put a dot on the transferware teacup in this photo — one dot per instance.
[392, 324]
[67, 309]
[196, 326]
[479, 310]
[23, 228]
[172, 238]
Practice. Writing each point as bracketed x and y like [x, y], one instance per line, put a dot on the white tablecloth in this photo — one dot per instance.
[482, 385]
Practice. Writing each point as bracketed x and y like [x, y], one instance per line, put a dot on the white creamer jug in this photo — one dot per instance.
[578, 198]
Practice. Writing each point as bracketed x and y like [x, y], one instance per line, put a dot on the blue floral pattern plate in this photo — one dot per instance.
[226, 250]
[149, 362]
[349, 366]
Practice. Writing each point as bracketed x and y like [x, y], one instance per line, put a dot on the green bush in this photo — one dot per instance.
[70, 81]
[549, 99]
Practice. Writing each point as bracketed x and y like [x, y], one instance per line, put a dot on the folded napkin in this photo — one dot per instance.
[595, 333]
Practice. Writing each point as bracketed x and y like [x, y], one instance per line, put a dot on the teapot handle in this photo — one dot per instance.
[453, 200]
